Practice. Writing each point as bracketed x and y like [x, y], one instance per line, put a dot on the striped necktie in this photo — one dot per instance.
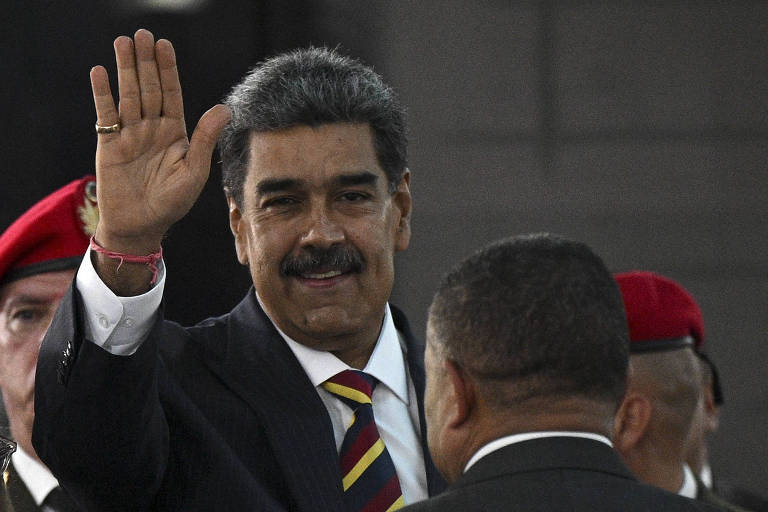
[368, 474]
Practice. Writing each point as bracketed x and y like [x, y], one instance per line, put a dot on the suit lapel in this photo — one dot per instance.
[259, 366]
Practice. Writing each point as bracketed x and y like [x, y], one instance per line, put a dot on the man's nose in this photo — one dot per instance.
[321, 229]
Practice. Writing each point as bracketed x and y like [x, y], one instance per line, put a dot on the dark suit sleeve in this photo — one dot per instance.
[99, 425]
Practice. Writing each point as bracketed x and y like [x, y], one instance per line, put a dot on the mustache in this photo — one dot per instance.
[315, 260]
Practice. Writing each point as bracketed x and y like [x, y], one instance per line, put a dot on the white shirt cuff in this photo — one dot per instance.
[119, 325]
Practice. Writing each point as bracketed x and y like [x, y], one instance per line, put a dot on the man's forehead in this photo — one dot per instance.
[315, 155]
[341, 133]
[302, 141]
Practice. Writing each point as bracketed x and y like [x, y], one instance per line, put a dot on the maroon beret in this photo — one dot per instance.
[53, 234]
[660, 313]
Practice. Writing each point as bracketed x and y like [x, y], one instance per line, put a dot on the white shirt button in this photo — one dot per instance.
[103, 321]
[128, 322]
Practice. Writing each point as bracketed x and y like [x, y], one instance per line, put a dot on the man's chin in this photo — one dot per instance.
[322, 326]
[329, 321]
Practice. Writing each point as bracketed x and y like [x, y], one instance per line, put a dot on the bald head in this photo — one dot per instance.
[653, 424]
[671, 381]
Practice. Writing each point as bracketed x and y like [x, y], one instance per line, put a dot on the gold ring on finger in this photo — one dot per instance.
[108, 129]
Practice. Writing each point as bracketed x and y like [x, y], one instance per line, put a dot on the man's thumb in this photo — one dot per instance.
[205, 136]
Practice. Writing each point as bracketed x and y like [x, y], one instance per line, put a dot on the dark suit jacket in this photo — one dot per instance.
[550, 475]
[18, 494]
[219, 416]
[708, 496]
[741, 496]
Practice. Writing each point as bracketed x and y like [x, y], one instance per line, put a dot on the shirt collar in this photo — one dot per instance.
[527, 436]
[688, 488]
[706, 475]
[35, 476]
[386, 362]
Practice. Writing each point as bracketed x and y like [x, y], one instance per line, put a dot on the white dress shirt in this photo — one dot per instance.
[689, 488]
[527, 436]
[706, 476]
[38, 479]
[394, 403]
[121, 324]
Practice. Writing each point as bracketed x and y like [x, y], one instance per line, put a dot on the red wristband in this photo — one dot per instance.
[149, 260]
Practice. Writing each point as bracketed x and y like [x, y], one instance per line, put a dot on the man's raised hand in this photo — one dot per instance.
[149, 174]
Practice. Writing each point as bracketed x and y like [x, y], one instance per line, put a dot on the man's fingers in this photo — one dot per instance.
[106, 113]
[127, 81]
[148, 76]
[205, 136]
[173, 105]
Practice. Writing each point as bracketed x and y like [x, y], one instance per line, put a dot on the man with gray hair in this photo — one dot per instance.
[308, 395]
[527, 357]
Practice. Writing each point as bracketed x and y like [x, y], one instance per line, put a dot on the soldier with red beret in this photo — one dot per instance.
[39, 253]
[664, 412]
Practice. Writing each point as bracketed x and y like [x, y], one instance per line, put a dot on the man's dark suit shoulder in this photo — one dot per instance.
[742, 497]
[554, 474]
[706, 495]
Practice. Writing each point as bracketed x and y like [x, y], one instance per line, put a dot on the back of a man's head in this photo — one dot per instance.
[672, 382]
[537, 315]
[311, 87]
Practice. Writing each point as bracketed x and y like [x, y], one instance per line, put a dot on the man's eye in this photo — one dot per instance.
[26, 315]
[28, 320]
[280, 201]
[355, 196]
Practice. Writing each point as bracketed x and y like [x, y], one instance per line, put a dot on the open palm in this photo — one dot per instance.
[149, 174]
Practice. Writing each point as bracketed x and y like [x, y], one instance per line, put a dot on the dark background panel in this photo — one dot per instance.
[48, 121]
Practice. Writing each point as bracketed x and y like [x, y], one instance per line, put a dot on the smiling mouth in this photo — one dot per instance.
[325, 275]
[322, 279]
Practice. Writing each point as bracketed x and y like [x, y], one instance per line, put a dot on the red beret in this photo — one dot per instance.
[660, 313]
[53, 234]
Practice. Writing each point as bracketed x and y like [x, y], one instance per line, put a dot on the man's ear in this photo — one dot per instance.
[461, 395]
[238, 227]
[403, 203]
[711, 410]
[631, 422]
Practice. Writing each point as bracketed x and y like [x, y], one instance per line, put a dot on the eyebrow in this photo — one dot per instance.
[32, 299]
[272, 185]
[27, 300]
[360, 178]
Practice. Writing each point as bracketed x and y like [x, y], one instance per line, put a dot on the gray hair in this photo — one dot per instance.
[311, 87]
